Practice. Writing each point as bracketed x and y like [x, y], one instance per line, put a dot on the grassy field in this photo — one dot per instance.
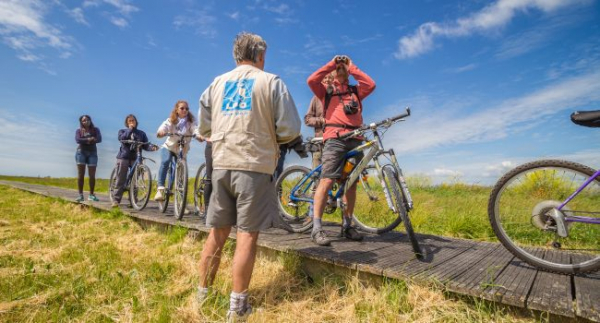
[63, 262]
[455, 210]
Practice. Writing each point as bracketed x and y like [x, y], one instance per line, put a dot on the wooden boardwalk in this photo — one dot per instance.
[479, 269]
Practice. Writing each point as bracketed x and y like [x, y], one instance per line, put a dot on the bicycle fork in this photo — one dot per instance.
[403, 186]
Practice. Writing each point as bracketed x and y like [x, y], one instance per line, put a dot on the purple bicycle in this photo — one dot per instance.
[547, 213]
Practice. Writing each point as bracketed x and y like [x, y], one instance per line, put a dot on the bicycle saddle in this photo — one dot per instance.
[586, 118]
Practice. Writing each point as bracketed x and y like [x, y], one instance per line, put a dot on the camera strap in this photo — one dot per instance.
[329, 94]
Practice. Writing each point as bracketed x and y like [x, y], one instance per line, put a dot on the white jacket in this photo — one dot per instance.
[247, 113]
[171, 142]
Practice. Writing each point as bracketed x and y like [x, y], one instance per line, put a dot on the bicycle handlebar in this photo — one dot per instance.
[372, 126]
[178, 135]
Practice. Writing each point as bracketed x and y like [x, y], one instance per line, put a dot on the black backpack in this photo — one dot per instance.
[329, 94]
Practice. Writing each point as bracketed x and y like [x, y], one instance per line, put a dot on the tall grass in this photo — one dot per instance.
[63, 262]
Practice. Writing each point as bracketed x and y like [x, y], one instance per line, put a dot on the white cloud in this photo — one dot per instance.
[200, 20]
[78, 15]
[430, 128]
[119, 21]
[120, 16]
[462, 69]
[315, 46]
[446, 172]
[24, 29]
[234, 15]
[492, 17]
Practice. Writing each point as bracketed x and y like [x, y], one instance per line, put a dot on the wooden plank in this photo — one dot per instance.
[481, 274]
[552, 292]
[513, 284]
[459, 264]
[437, 251]
[587, 294]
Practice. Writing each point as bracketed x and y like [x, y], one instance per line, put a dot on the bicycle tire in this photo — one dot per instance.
[528, 193]
[180, 188]
[164, 204]
[295, 214]
[140, 187]
[372, 213]
[199, 186]
[112, 183]
[398, 199]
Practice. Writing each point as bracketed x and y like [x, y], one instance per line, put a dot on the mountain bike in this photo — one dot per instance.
[177, 180]
[380, 207]
[199, 191]
[546, 213]
[139, 179]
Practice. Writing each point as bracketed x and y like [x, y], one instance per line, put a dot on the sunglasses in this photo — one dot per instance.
[183, 108]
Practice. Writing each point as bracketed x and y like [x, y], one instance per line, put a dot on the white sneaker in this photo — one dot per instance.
[160, 194]
[239, 316]
[201, 295]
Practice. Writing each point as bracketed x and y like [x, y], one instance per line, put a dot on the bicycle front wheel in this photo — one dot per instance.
[523, 208]
[199, 188]
[164, 203]
[373, 212]
[180, 188]
[112, 184]
[140, 187]
[289, 188]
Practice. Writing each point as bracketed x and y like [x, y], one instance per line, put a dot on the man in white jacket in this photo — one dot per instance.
[246, 113]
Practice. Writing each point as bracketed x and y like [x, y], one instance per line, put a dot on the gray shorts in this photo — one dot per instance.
[243, 199]
[334, 153]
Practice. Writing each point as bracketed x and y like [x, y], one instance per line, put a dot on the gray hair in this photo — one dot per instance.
[247, 47]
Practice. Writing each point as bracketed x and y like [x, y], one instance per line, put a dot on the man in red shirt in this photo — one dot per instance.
[343, 113]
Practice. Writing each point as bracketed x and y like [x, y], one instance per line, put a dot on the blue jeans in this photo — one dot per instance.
[165, 162]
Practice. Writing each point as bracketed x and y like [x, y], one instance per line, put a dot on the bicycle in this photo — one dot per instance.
[177, 175]
[139, 179]
[545, 212]
[296, 185]
[199, 189]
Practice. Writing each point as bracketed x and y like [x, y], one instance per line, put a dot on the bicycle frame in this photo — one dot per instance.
[575, 218]
[139, 160]
[376, 150]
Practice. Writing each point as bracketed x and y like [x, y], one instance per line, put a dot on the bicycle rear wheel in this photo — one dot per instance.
[295, 213]
[372, 213]
[180, 188]
[520, 209]
[140, 187]
[112, 184]
[199, 187]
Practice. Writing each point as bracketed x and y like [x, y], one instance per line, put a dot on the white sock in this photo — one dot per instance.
[237, 301]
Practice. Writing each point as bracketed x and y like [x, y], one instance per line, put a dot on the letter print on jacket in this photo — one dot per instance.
[238, 96]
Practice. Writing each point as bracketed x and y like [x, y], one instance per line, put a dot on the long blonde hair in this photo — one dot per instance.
[173, 117]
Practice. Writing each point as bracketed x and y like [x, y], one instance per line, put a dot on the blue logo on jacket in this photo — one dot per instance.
[238, 95]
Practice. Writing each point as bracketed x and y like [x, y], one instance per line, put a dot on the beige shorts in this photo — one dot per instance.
[243, 199]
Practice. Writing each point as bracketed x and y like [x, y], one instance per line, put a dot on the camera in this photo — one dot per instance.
[351, 108]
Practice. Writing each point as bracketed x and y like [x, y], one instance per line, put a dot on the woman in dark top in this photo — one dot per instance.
[87, 136]
[127, 155]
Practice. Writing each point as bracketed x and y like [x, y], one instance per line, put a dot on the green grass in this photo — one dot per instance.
[63, 262]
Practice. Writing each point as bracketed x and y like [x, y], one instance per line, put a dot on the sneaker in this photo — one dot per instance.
[320, 238]
[114, 204]
[202, 294]
[79, 198]
[239, 316]
[93, 197]
[351, 233]
[159, 195]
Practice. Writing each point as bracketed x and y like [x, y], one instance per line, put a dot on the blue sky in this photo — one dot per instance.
[491, 83]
